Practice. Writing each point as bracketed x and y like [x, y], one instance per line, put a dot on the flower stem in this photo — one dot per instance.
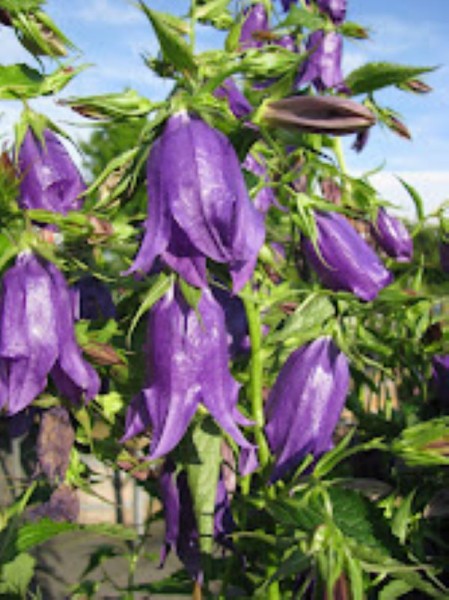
[256, 374]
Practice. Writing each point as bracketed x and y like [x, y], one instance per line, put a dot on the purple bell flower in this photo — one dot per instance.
[256, 19]
[393, 237]
[239, 105]
[345, 262]
[323, 67]
[187, 358]
[37, 337]
[49, 178]
[181, 529]
[305, 403]
[198, 204]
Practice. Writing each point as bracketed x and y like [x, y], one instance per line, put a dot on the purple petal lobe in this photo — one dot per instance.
[255, 20]
[323, 67]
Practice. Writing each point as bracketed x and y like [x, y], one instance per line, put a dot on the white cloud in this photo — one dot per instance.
[105, 12]
[433, 187]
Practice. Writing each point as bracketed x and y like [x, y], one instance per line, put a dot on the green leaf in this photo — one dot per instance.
[128, 104]
[301, 17]
[192, 295]
[159, 286]
[174, 48]
[402, 518]
[394, 589]
[417, 200]
[22, 82]
[309, 315]
[203, 465]
[425, 444]
[16, 575]
[374, 76]
[215, 12]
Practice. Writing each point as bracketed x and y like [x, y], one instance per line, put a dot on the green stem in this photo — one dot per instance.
[256, 375]
[338, 151]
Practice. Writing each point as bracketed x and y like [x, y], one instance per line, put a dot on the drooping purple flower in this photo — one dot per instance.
[198, 205]
[238, 103]
[236, 321]
[444, 256]
[37, 337]
[336, 9]
[49, 178]
[393, 237]
[54, 443]
[265, 197]
[187, 360]
[440, 379]
[255, 20]
[323, 67]
[92, 300]
[181, 531]
[345, 261]
[305, 403]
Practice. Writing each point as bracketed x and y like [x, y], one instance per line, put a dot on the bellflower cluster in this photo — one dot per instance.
[37, 337]
[393, 237]
[198, 204]
[305, 403]
[187, 359]
[49, 178]
[344, 260]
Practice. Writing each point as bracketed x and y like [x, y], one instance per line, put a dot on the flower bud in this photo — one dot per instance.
[393, 237]
[318, 114]
[344, 261]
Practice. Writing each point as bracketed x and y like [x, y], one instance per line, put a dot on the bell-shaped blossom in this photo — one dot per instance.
[344, 260]
[92, 300]
[187, 363]
[255, 21]
[49, 178]
[323, 67]
[238, 103]
[305, 403]
[198, 205]
[181, 531]
[37, 337]
[393, 237]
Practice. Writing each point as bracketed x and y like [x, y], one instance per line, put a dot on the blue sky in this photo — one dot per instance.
[113, 34]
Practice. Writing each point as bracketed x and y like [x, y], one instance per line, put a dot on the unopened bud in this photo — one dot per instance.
[416, 85]
[102, 354]
[398, 127]
[320, 114]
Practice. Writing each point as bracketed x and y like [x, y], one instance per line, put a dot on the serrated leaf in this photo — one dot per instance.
[157, 289]
[174, 48]
[20, 81]
[312, 313]
[377, 75]
[203, 465]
